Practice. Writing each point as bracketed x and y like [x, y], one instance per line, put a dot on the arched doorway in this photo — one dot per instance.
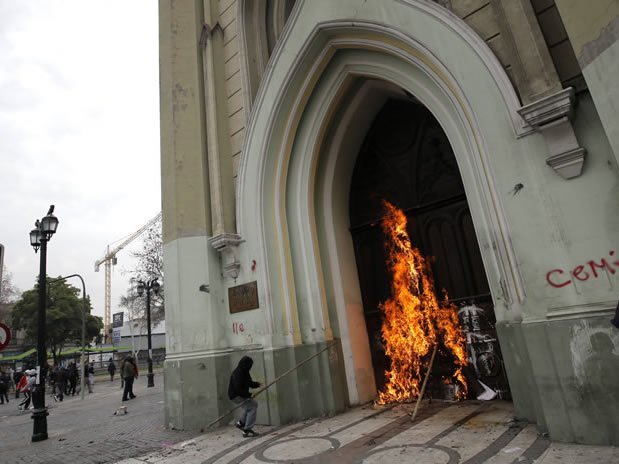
[407, 160]
[310, 117]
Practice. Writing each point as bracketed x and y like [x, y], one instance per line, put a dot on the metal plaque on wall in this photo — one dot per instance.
[243, 297]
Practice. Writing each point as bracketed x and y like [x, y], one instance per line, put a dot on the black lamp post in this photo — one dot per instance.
[154, 286]
[84, 308]
[39, 236]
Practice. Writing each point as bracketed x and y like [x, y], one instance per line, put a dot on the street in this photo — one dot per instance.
[88, 431]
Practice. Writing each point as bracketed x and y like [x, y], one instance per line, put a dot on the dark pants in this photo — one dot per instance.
[61, 389]
[4, 394]
[128, 391]
[26, 402]
[72, 386]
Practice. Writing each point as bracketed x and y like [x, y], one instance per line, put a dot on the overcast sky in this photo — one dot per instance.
[79, 128]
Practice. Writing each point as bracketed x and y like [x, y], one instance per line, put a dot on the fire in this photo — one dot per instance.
[413, 319]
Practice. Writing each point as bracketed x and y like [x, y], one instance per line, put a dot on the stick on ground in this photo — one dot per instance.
[279, 377]
[425, 382]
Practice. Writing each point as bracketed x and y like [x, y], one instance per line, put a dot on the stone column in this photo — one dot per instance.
[534, 71]
[224, 238]
[193, 322]
[593, 29]
[548, 107]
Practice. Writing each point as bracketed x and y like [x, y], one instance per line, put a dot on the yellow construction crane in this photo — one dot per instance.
[109, 260]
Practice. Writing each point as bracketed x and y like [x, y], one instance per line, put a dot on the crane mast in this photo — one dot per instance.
[109, 259]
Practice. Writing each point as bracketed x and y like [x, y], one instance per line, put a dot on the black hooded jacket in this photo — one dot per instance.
[240, 380]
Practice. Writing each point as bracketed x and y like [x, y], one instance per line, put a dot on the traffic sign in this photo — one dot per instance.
[5, 336]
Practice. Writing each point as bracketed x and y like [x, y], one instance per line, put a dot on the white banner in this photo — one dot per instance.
[116, 336]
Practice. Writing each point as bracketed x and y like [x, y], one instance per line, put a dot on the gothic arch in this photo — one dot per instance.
[327, 78]
[260, 26]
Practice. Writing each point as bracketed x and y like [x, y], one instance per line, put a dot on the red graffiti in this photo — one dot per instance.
[237, 328]
[559, 278]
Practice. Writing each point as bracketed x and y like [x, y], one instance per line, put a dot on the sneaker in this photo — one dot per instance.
[240, 425]
[249, 433]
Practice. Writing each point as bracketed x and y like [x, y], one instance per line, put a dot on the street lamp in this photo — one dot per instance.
[84, 308]
[154, 286]
[39, 236]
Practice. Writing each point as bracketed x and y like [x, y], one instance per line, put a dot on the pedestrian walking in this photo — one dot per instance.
[129, 372]
[61, 383]
[238, 392]
[17, 375]
[26, 385]
[11, 373]
[111, 368]
[52, 380]
[72, 377]
[5, 381]
[89, 373]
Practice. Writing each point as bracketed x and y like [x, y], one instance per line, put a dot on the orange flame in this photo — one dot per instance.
[414, 321]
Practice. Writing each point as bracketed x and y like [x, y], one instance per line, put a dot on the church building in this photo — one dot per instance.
[288, 126]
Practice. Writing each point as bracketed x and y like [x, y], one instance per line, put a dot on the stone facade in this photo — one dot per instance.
[264, 106]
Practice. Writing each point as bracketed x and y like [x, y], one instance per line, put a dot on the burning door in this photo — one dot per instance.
[407, 161]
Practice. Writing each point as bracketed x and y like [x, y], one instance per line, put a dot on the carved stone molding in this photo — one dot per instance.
[549, 109]
[568, 164]
[222, 241]
[226, 244]
[551, 117]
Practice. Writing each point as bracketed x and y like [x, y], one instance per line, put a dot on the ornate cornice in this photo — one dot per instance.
[222, 241]
[549, 109]
[226, 244]
[551, 117]
[568, 164]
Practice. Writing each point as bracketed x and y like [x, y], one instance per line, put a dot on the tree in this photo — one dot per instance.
[9, 293]
[149, 267]
[63, 316]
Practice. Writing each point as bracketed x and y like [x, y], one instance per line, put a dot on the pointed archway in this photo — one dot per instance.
[326, 82]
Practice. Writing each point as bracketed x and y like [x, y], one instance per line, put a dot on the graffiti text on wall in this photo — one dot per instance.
[592, 269]
[238, 328]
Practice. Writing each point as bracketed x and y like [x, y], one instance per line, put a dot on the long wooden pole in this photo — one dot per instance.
[278, 378]
[425, 382]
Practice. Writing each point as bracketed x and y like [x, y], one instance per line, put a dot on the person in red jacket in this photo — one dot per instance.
[25, 385]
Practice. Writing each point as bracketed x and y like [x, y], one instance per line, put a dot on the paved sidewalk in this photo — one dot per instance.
[87, 431]
[463, 433]
[471, 432]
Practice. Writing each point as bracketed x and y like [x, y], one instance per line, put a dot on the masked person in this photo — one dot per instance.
[238, 392]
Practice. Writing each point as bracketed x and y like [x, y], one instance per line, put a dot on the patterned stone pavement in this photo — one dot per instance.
[443, 433]
[87, 431]
[461, 433]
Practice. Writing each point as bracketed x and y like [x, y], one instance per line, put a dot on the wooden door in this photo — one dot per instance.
[407, 160]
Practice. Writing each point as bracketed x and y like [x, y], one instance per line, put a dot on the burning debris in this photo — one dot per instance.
[414, 321]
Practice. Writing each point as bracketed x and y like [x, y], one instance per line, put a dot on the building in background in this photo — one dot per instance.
[133, 338]
[491, 124]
